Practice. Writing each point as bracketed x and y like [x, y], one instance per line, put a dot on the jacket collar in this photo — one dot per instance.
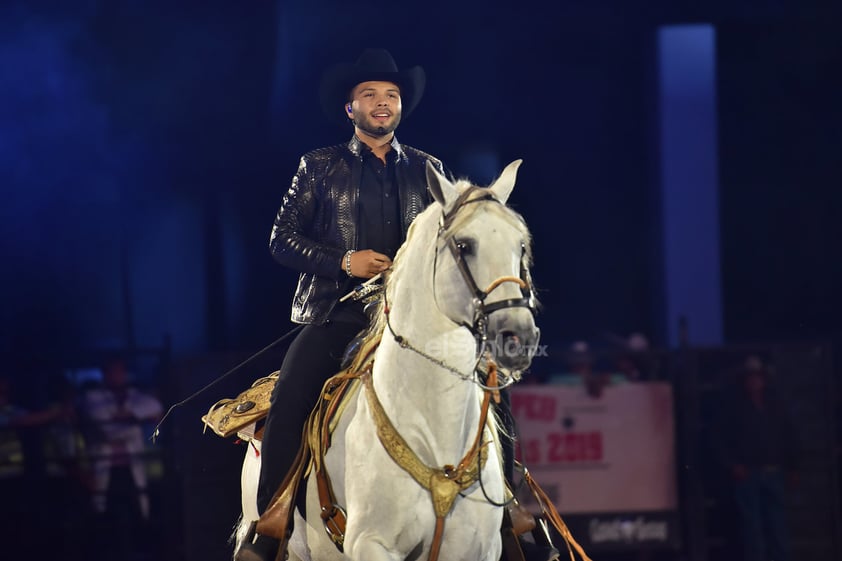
[355, 145]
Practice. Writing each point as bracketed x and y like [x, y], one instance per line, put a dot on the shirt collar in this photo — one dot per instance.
[356, 146]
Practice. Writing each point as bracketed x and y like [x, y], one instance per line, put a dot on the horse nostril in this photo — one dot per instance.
[510, 336]
[510, 344]
[513, 341]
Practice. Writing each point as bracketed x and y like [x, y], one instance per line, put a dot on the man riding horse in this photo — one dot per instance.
[341, 222]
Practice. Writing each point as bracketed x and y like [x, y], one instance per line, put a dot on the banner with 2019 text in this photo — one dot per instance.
[607, 461]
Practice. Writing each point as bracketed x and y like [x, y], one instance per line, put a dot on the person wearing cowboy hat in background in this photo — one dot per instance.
[756, 440]
[341, 222]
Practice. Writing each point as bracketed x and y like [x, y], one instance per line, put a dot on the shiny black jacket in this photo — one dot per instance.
[317, 221]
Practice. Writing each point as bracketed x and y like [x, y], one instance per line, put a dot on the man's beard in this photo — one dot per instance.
[368, 126]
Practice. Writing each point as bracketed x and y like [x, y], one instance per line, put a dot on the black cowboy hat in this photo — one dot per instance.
[373, 65]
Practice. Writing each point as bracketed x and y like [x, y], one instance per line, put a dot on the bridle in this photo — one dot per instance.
[482, 308]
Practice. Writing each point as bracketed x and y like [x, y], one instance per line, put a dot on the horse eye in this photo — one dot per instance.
[464, 247]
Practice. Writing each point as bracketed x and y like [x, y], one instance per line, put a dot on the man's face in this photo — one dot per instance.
[376, 108]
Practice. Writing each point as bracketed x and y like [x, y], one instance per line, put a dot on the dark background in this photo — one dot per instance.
[145, 147]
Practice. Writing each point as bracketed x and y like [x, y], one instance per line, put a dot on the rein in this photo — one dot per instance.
[404, 343]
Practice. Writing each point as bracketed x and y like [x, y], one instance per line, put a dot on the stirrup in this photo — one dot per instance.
[541, 535]
[253, 550]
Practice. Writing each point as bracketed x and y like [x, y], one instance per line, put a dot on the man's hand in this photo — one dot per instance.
[366, 263]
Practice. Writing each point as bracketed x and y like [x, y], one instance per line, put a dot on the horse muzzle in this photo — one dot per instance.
[513, 338]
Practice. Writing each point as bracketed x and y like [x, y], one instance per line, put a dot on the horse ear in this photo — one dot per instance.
[440, 187]
[502, 188]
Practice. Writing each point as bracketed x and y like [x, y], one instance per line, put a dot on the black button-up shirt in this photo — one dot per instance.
[379, 226]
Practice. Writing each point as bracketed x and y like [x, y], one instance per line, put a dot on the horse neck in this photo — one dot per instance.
[414, 313]
[434, 408]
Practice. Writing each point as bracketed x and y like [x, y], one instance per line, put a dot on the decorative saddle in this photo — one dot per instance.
[242, 415]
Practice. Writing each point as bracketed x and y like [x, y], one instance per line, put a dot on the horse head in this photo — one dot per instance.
[481, 267]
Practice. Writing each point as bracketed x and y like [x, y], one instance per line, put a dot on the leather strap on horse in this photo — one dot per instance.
[332, 515]
[508, 536]
[554, 517]
[275, 520]
[315, 439]
[444, 484]
[462, 200]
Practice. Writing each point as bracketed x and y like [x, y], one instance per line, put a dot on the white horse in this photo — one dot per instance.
[459, 291]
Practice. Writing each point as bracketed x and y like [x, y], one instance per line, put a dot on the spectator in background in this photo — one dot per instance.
[758, 443]
[581, 370]
[23, 486]
[14, 417]
[114, 414]
[11, 450]
[633, 361]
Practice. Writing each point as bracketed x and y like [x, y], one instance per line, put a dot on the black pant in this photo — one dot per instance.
[314, 356]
